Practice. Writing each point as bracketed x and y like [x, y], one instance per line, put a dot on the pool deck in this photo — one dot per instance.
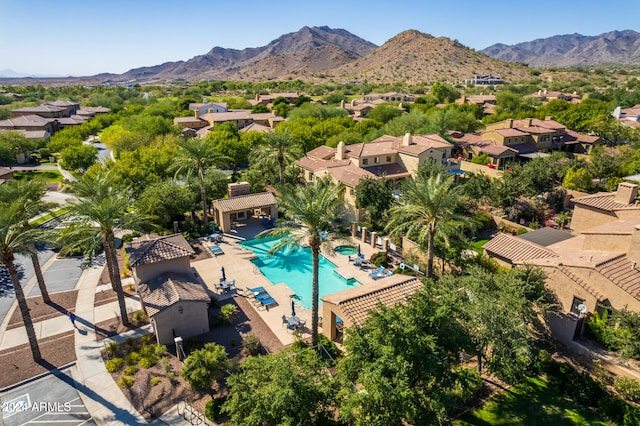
[237, 265]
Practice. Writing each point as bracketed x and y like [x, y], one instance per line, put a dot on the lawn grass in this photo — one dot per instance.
[49, 175]
[477, 245]
[531, 403]
[43, 219]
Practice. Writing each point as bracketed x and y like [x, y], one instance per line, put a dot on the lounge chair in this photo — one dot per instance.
[323, 235]
[215, 249]
[268, 302]
[377, 273]
[267, 223]
[383, 275]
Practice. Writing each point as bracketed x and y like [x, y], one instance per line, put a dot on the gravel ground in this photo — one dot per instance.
[40, 311]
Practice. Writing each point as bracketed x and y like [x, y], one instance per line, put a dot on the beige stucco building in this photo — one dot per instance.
[174, 298]
[596, 265]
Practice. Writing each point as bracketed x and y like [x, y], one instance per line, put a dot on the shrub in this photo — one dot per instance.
[159, 350]
[132, 358]
[114, 365]
[329, 346]
[229, 312]
[380, 259]
[483, 218]
[212, 408]
[598, 327]
[112, 348]
[155, 381]
[627, 387]
[521, 231]
[129, 342]
[148, 362]
[299, 345]
[169, 375]
[126, 381]
[131, 370]
[251, 345]
[468, 383]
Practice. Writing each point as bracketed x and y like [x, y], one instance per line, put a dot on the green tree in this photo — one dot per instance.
[577, 179]
[203, 366]
[12, 143]
[315, 206]
[195, 156]
[14, 237]
[164, 201]
[102, 209]
[27, 194]
[279, 150]
[375, 195]
[426, 206]
[287, 388]
[444, 93]
[384, 113]
[78, 157]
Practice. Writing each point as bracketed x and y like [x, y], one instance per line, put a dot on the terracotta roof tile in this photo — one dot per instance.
[604, 201]
[146, 249]
[623, 273]
[357, 302]
[324, 152]
[245, 202]
[166, 289]
[516, 249]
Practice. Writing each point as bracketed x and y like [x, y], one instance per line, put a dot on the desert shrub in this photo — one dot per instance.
[627, 387]
[132, 358]
[131, 370]
[483, 218]
[251, 345]
[229, 312]
[129, 342]
[521, 231]
[169, 375]
[148, 362]
[139, 316]
[380, 259]
[114, 365]
[126, 381]
[212, 408]
[155, 381]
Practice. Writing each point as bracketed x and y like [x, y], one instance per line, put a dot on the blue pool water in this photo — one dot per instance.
[293, 267]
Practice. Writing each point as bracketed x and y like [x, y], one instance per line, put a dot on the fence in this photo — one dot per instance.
[190, 414]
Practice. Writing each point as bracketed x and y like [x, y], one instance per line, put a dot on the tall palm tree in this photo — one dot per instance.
[314, 206]
[427, 205]
[102, 209]
[28, 194]
[14, 237]
[195, 156]
[278, 150]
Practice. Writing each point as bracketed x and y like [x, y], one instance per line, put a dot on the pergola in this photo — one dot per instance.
[241, 207]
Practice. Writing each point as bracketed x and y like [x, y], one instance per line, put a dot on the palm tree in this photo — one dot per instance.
[195, 156]
[427, 205]
[102, 210]
[314, 206]
[14, 237]
[28, 194]
[279, 150]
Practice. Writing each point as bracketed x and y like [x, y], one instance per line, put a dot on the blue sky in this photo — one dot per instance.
[70, 37]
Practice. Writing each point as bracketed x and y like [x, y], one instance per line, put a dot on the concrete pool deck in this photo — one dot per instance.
[237, 265]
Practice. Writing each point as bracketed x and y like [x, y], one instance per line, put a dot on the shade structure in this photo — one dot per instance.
[224, 277]
[293, 308]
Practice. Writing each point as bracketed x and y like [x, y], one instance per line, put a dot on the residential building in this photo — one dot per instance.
[241, 205]
[484, 80]
[30, 123]
[174, 298]
[394, 157]
[209, 107]
[590, 269]
[545, 96]
[389, 97]
[628, 116]
[290, 97]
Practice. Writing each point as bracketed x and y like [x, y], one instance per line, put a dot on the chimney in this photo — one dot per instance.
[353, 102]
[527, 122]
[197, 113]
[545, 91]
[626, 193]
[340, 151]
[257, 96]
[342, 103]
[617, 112]
[510, 123]
[407, 139]
[539, 92]
[547, 118]
[204, 100]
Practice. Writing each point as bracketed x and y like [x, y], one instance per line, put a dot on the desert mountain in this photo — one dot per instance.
[414, 57]
[310, 49]
[615, 47]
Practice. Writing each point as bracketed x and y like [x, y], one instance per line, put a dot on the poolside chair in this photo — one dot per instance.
[384, 275]
[284, 320]
[267, 303]
[377, 273]
[215, 249]
[302, 324]
[266, 223]
[323, 235]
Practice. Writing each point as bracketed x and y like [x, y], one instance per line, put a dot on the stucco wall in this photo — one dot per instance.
[613, 243]
[468, 166]
[145, 272]
[186, 319]
[585, 217]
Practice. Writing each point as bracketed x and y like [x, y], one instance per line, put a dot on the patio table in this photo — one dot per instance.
[293, 321]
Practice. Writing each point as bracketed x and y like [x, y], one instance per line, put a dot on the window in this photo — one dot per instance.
[388, 158]
[577, 302]
[376, 160]
[365, 161]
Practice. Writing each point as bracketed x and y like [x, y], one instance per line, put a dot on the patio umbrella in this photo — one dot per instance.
[293, 308]
[224, 277]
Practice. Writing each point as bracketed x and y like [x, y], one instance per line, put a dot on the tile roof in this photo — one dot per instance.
[255, 127]
[350, 174]
[391, 144]
[571, 137]
[26, 121]
[323, 151]
[245, 202]
[516, 249]
[314, 164]
[510, 132]
[357, 302]
[219, 117]
[148, 249]
[169, 288]
[188, 120]
[623, 273]
[604, 201]
[40, 109]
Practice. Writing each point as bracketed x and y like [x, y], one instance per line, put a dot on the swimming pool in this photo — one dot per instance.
[293, 267]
